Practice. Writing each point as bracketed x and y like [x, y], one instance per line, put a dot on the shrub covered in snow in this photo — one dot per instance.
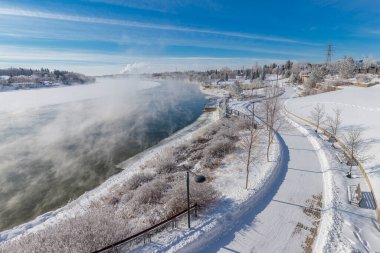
[363, 78]
[138, 180]
[219, 148]
[202, 194]
[347, 67]
[165, 162]
[151, 193]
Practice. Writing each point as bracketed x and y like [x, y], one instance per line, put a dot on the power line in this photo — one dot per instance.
[329, 53]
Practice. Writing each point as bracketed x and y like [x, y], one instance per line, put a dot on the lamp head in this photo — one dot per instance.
[200, 178]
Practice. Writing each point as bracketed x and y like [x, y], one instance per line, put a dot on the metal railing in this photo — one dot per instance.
[147, 233]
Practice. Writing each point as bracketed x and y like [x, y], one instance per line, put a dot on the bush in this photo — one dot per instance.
[362, 78]
[210, 131]
[84, 233]
[181, 153]
[201, 193]
[210, 162]
[151, 193]
[165, 162]
[226, 133]
[242, 124]
[219, 148]
[138, 180]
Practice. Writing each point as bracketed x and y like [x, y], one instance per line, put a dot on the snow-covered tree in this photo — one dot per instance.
[347, 67]
[235, 89]
[368, 62]
[317, 75]
[295, 73]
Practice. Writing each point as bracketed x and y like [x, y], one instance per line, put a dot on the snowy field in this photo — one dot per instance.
[360, 108]
[346, 228]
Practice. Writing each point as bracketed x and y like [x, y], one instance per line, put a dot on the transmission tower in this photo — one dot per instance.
[329, 53]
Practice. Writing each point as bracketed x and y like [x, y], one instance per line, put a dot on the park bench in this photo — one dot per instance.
[354, 195]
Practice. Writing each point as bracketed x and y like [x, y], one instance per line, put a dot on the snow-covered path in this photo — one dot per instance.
[286, 222]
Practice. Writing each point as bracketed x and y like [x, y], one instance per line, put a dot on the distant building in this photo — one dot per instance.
[304, 77]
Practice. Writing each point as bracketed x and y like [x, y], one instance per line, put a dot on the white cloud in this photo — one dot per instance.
[94, 63]
[106, 21]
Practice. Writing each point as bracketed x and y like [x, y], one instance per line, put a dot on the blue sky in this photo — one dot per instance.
[103, 36]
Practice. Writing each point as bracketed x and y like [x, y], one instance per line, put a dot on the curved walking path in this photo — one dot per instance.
[287, 223]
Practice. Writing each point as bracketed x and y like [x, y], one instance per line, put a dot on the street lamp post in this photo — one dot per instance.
[198, 179]
[253, 114]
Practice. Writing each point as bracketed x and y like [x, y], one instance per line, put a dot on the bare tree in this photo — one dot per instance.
[249, 144]
[335, 121]
[272, 114]
[356, 146]
[318, 115]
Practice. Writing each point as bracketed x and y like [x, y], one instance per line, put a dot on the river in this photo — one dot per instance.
[57, 143]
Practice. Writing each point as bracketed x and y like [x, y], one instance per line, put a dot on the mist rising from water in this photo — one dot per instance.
[52, 152]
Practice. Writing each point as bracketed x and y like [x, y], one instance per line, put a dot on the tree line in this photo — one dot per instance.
[23, 75]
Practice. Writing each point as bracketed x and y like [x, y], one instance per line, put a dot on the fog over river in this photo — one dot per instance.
[56, 143]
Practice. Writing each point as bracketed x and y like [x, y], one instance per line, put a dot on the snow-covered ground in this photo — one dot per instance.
[296, 203]
[346, 228]
[281, 219]
[214, 92]
[307, 208]
[233, 210]
[361, 108]
[276, 215]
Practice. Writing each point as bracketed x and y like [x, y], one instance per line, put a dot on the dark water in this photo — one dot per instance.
[55, 153]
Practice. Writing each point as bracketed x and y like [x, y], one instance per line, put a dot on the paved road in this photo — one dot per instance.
[274, 228]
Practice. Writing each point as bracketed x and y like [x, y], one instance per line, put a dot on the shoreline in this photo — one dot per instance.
[38, 86]
[129, 168]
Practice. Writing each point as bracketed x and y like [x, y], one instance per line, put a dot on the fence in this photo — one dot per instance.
[147, 233]
[361, 168]
[368, 70]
